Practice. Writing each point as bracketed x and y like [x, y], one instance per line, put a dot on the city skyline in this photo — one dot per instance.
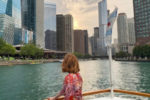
[86, 17]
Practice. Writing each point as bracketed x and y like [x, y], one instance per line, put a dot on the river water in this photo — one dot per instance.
[36, 82]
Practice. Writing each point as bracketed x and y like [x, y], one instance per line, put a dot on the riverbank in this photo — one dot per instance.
[22, 62]
[133, 60]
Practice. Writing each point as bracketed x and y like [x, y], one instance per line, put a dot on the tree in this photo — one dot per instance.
[2, 43]
[8, 50]
[78, 55]
[39, 53]
[142, 51]
[122, 54]
[30, 50]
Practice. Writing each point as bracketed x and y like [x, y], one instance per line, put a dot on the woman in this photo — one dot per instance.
[72, 86]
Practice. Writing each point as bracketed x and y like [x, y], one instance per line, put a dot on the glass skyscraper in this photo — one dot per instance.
[142, 21]
[102, 10]
[50, 25]
[7, 28]
[12, 8]
[33, 19]
[28, 14]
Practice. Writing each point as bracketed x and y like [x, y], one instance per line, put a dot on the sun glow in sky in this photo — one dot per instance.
[75, 24]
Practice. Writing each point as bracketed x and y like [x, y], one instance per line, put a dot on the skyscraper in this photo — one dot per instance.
[33, 19]
[92, 45]
[40, 23]
[50, 25]
[102, 9]
[60, 33]
[28, 8]
[12, 8]
[86, 41]
[131, 31]
[65, 33]
[123, 35]
[79, 41]
[69, 33]
[142, 21]
[89, 46]
[96, 43]
[7, 28]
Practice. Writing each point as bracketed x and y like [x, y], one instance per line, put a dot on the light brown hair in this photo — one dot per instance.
[70, 64]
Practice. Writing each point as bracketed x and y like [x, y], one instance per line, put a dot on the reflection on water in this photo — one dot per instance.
[35, 82]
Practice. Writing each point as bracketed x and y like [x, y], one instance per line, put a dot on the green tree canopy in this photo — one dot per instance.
[2, 43]
[122, 54]
[8, 50]
[142, 51]
[30, 50]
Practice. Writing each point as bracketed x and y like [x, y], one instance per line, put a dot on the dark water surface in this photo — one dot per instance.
[36, 82]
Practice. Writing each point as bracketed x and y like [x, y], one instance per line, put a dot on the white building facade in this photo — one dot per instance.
[126, 33]
[131, 28]
[123, 34]
[39, 27]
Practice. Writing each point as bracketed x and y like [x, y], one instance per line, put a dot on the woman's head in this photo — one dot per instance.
[70, 64]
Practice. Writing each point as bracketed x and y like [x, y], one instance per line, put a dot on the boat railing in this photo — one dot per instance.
[108, 90]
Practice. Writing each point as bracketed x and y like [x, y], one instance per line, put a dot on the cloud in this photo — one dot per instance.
[91, 9]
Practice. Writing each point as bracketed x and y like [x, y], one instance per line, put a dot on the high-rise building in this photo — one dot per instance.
[28, 11]
[142, 21]
[86, 41]
[65, 33]
[50, 25]
[96, 43]
[123, 32]
[60, 33]
[131, 31]
[7, 28]
[102, 9]
[123, 35]
[92, 45]
[69, 33]
[89, 46]
[33, 19]
[12, 8]
[40, 23]
[96, 32]
[79, 41]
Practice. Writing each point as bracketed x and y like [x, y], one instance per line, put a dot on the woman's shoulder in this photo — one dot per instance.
[72, 75]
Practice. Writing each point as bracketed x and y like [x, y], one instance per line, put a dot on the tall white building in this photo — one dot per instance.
[102, 9]
[39, 28]
[131, 28]
[123, 34]
[126, 33]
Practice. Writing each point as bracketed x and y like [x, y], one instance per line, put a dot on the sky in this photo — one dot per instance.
[85, 12]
